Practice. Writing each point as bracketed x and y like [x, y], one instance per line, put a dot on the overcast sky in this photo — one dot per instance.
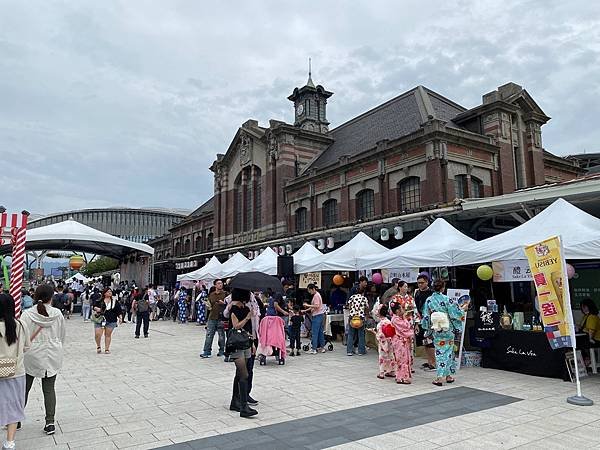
[107, 103]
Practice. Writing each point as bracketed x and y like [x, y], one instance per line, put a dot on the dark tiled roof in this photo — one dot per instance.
[206, 207]
[395, 118]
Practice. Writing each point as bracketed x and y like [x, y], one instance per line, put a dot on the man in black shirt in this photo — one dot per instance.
[421, 295]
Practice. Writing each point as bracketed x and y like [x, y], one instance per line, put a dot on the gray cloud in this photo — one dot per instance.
[127, 102]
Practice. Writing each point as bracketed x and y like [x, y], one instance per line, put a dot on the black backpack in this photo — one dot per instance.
[143, 304]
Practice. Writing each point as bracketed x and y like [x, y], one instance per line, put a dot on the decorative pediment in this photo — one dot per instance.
[528, 105]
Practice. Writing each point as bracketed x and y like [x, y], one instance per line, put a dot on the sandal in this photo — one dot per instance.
[449, 380]
[390, 375]
[380, 377]
[437, 383]
[107, 351]
[403, 382]
[98, 350]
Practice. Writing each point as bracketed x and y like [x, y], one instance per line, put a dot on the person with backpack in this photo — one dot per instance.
[59, 299]
[14, 342]
[45, 357]
[141, 306]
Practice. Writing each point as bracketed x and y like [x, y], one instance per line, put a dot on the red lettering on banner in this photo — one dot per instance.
[548, 309]
[540, 279]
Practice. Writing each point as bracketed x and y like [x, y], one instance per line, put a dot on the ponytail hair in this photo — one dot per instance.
[43, 294]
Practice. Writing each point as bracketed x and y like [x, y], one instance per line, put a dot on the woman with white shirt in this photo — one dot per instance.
[14, 342]
[45, 357]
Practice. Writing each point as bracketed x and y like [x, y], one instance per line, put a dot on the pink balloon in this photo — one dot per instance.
[377, 278]
[570, 271]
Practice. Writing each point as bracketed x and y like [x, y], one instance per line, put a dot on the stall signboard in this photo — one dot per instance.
[549, 276]
[309, 278]
[406, 274]
[511, 270]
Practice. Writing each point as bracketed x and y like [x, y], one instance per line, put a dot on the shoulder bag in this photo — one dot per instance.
[237, 340]
[8, 366]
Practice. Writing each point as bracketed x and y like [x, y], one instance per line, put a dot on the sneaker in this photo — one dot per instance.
[313, 352]
[49, 429]
[204, 355]
[7, 446]
[252, 402]
[292, 353]
[362, 354]
[137, 337]
[323, 350]
[145, 335]
[349, 354]
[297, 352]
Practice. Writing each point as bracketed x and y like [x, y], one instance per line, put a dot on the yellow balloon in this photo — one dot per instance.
[485, 272]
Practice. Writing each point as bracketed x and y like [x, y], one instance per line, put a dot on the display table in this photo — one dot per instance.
[526, 352]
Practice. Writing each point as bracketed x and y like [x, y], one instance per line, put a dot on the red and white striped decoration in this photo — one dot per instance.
[17, 223]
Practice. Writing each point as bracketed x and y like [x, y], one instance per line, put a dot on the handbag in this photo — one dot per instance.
[237, 340]
[8, 366]
[97, 318]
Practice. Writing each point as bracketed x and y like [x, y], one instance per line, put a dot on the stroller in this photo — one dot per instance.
[326, 332]
[271, 340]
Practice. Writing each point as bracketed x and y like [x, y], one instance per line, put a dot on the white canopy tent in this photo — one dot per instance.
[78, 277]
[72, 235]
[266, 262]
[579, 230]
[233, 266]
[207, 272]
[435, 246]
[344, 258]
[305, 253]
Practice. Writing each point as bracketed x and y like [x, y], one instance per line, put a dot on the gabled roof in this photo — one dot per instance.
[393, 119]
[206, 207]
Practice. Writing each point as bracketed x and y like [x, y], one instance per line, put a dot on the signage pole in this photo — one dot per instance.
[578, 399]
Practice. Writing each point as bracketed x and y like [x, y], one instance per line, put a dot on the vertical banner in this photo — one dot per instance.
[547, 269]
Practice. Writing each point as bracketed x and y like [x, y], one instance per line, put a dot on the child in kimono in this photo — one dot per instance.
[402, 341]
[384, 339]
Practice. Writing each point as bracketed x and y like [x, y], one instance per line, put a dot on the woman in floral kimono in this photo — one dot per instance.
[182, 306]
[386, 352]
[447, 318]
[402, 341]
[201, 306]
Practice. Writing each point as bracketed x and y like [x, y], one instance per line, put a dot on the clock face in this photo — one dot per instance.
[300, 109]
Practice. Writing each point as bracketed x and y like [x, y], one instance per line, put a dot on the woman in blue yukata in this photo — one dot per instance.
[441, 318]
[182, 305]
[201, 306]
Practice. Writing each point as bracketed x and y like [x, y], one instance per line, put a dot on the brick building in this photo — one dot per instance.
[413, 156]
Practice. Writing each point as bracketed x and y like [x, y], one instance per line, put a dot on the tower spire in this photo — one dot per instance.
[310, 81]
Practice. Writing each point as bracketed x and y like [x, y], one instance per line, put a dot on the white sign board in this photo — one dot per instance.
[511, 270]
[406, 274]
[309, 278]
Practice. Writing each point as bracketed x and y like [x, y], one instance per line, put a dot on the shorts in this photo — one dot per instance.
[111, 325]
[422, 341]
[246, 354]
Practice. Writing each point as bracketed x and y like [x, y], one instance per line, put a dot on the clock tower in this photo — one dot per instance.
[310, 107]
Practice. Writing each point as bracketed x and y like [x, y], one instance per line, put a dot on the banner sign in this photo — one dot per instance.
[547, 268]
[406, 274]
[511, 270]
[186, 265]
[309, 278]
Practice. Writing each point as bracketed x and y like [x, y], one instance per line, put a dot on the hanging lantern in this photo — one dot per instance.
[570, 271]
[76, 262]
[377, 278]
[485, 272]
[338, 280]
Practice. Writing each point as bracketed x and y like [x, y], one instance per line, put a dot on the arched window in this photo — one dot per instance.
[330, 213]
[365, 204]
[198, 243]
[409, 194]
[476, 187]
[461, 188]
[187, 247]
[247, 198]
[209, 241]
[301, 219]
[177, 248]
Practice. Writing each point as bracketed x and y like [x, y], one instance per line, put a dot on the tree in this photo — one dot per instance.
[101, 264]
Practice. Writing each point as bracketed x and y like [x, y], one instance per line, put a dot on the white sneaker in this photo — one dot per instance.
[313, 352]
[323, 350]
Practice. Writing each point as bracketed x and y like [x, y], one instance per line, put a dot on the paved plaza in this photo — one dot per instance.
[157, 392]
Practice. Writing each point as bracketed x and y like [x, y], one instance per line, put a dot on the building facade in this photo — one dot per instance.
[412, 157]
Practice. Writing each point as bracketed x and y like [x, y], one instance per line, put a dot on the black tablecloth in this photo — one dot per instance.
[525, 352]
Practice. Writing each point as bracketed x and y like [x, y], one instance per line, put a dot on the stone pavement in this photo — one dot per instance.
[157, 392]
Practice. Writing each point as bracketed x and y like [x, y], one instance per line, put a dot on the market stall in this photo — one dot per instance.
[266, 262]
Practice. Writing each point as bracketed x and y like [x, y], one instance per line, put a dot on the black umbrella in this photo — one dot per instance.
[253, 281]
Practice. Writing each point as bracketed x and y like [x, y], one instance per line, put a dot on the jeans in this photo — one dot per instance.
[317, 330]
[361, 339]
[142, 317]
[49, 395]
[212, 327]
[86, 309]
